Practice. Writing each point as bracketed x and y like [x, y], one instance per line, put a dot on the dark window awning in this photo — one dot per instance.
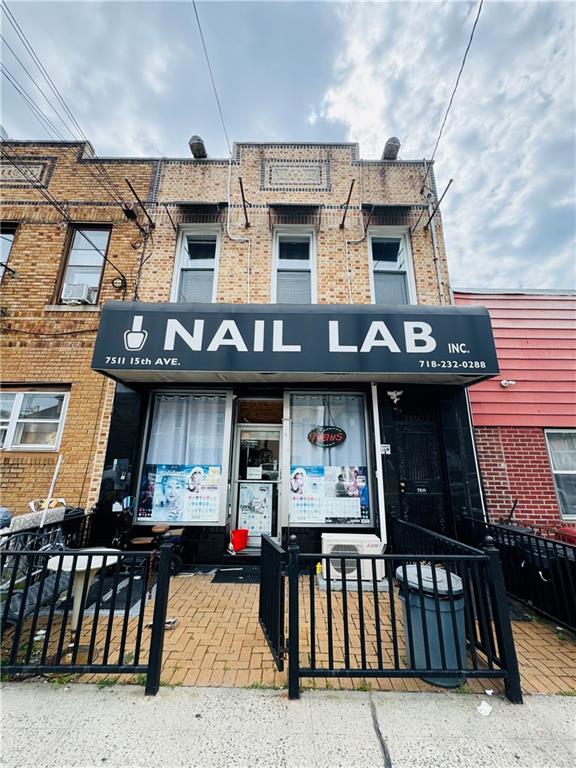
[285, 213]
[381, 214]
[192, 212]
[319, 343]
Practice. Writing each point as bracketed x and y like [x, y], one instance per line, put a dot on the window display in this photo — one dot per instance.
[328, 478]
[182, 476]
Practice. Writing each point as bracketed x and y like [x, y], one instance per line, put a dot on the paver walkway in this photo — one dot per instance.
[218, 642]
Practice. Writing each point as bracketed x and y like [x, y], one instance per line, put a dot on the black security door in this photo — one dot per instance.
[414, 469]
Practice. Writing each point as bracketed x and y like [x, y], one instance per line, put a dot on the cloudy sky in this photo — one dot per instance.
[136, 79]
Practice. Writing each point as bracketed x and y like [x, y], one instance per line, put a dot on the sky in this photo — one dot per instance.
[136, 79]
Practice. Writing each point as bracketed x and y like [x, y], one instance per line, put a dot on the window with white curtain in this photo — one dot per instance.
[196, 268]
[294, 276]
[182, 478]
[328, 485]
[391, 268]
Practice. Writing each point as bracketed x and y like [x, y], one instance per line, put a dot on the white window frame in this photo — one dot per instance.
[559, 471]
[4, 232]
[284, 509]
[294, 231]
[196, 230]
[394, 233]
[14, 419]
[224, 510]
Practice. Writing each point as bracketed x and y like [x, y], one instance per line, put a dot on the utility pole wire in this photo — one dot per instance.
[212, 77]
[36, 60]
[458, 78]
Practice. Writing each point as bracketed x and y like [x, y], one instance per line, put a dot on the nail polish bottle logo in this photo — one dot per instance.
[135, 338]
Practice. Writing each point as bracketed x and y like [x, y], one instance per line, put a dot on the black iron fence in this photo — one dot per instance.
[84, 611]
[539, 572]
[272, 597]
[74, 531]
[441, 615]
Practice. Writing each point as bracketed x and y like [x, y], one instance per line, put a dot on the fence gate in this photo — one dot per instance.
[272, 597]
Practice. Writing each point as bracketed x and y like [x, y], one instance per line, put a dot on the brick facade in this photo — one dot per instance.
[514, 464]
[47, 343]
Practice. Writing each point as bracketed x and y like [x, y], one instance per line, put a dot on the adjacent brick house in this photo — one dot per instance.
[525, 419]
[52, 403]
[279, 356]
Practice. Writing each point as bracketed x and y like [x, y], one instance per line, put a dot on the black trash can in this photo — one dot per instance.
[438, 618]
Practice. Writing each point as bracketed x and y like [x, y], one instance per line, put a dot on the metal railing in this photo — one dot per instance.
[74, 531]
[441, 617]
[272, 598]
[539, 572]
[84, 611]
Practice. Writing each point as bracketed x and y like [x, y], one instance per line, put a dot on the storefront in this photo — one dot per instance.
[281, 420]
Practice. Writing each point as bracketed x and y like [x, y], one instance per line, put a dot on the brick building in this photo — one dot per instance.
[281, 355]
[52, 403]
[525, 419]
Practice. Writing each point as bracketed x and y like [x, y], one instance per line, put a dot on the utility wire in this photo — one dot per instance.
[458, 78]
[453, 91]
[49, 126]
[54, 89]
[63, 212]
[212, 77]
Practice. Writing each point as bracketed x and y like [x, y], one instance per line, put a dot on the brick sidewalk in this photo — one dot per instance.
[218, 642]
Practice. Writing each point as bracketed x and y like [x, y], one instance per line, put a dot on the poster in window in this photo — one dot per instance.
[255, 508]
[333, 495]
[180, 493]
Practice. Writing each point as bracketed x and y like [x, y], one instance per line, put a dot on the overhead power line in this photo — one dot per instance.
[30, 49]
[457, 79]
[52, 130]
[59, 207]
[212, 77]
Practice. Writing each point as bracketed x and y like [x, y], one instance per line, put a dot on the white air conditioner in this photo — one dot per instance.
[341, 544]
[78, 294]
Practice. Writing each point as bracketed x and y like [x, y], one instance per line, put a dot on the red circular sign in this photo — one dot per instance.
[327, 436]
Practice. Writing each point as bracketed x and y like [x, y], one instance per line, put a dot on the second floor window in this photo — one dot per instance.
[294, 269]
[7, 232]
[390, 270]
[84, 266]
[195, 279]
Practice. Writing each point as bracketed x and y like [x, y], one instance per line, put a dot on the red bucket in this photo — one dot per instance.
[239, 539]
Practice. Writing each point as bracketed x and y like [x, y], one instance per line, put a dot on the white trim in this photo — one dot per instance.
[369, 466]
[559, 471]
[287, 231]
[403, 234]
[13, 421]
[179, 261]
[379, 469]
[225, 455]
[475, 453]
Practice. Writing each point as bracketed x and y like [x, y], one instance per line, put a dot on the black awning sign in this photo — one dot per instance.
[320, 338]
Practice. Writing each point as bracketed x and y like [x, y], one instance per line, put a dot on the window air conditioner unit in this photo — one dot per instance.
[78, 294]
[341, 544]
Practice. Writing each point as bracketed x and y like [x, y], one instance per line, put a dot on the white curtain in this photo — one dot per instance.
[187, 429]
[344, 411]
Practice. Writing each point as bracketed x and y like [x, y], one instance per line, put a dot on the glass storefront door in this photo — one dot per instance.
[257, 480]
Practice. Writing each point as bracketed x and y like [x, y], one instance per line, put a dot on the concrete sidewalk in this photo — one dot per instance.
[83, 726]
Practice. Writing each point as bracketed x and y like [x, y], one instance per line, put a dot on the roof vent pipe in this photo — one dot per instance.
[197, 148]
[391, 149]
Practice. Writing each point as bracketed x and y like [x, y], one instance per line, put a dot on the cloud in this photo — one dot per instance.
[509, 140]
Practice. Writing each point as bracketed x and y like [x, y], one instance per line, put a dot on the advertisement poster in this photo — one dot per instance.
[180, 493]
[306, 494]
[329, 495]
[255, 508]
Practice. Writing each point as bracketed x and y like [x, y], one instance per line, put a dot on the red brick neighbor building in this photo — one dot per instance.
[525, 418]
